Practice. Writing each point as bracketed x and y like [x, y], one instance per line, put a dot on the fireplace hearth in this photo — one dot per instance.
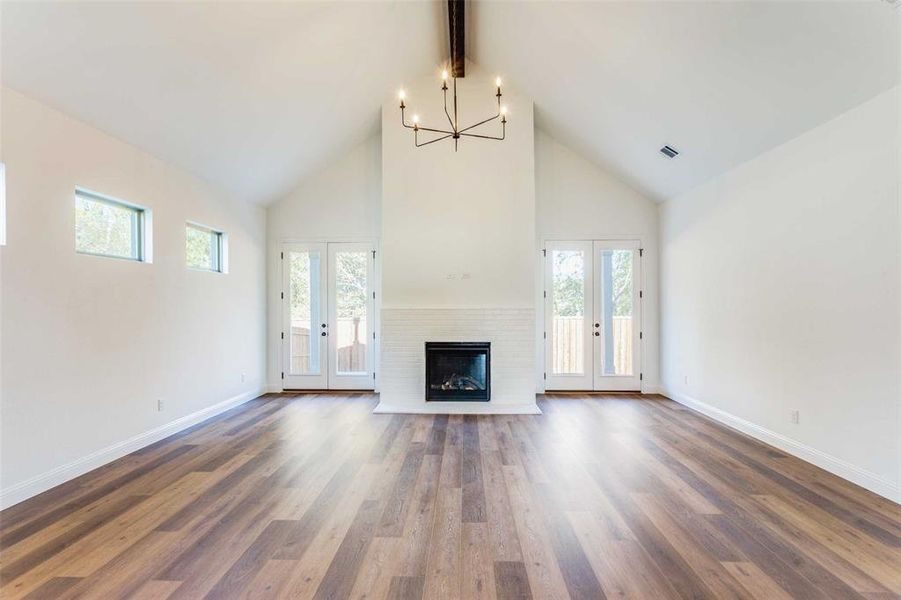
[458, 371]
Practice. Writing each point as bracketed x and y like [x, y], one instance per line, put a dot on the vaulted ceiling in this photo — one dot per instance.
[254, 96]
[719, 81]
[250, 95]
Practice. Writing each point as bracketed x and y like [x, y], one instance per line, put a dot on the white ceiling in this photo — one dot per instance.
[250, 95]
[256, 95]
[719, 81]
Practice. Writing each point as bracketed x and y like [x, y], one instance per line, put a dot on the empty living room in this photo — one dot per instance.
[450, 299]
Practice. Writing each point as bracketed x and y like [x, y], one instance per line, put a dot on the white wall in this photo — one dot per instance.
[575, 199]
[90, 344]
[340, 203]
[446, 213]
[780, 292]
[578, 200]
[458, 239]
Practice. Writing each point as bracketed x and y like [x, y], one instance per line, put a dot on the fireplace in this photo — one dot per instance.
[458, 371]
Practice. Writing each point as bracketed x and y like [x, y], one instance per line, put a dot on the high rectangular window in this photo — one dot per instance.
[108, 227]
[205, 248]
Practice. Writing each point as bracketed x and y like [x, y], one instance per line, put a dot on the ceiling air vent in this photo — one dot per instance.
[669, 151]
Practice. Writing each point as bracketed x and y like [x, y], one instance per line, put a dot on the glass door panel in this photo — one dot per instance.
[350, 337]
[568, 290]
[617, 324]
[305, 326]
[351, 304]
[305, 312]
[568, 298]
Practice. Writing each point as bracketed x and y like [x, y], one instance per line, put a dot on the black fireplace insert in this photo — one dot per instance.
[458, 371]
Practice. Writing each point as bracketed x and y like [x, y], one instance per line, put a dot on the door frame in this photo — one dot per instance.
[303, 381]
[541, 357]
[620, 383]
[376, 301]
[337, 381]
[570, 381]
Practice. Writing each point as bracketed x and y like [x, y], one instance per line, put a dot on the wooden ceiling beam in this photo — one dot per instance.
[457, 35]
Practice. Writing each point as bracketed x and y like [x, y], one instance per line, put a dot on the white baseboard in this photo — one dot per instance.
[54, 477]
[646, 389]
[459, 408]
[842, 468]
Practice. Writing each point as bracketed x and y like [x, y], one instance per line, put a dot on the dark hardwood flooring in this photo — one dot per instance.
[316, 497]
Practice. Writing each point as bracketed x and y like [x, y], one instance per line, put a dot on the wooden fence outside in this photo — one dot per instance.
[351, 333]
[567, 347]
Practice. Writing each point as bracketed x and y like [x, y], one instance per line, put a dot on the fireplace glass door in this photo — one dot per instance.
[458, 371]
[327, 298]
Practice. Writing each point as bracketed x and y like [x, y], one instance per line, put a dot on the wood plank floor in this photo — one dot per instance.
[316, 497]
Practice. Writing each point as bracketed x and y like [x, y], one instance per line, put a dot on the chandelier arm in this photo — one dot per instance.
[483, 137]
[449, 120]
[480, 123]
[421, 128]
[486, 137]
[444, 137]
[402, 119]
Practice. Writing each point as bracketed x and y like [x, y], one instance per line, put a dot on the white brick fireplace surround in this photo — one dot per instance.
[512, 336]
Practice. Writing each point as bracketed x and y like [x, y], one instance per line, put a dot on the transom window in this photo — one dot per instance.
[205, 248]
[108, 227]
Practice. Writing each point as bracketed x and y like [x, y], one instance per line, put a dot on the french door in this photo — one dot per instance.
[327, 291]
[593, 315]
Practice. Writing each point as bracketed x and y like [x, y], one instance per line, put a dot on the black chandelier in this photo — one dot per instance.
[455, 19]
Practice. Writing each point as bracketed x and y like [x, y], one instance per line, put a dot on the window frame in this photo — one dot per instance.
[2, 204]
[140, 226]
[220, 257]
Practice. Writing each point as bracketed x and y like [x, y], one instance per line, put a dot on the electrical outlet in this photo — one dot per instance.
[160, 405]
[795, 417]
[243, 377]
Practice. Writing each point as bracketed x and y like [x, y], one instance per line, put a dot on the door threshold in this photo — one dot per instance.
[336, 392]
[593, 392]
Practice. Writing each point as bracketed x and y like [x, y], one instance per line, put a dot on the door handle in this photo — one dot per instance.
[597, 324]
[597, 333]
[324, 334]
[324, 325]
